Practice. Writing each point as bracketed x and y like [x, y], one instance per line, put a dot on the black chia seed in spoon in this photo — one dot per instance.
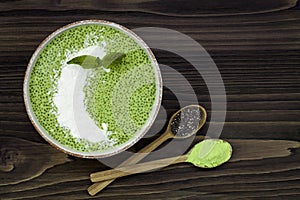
[186, 122]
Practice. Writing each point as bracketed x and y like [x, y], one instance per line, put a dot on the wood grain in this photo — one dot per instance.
[249, 154]
[22, 160]
[167, 7]
[256, 46]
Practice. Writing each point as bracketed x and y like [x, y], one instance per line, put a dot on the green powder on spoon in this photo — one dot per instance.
[210, 153]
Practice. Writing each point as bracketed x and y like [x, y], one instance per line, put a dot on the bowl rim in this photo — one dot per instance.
[136, 137]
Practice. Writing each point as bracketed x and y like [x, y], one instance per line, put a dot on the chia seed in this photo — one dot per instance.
[186, 122]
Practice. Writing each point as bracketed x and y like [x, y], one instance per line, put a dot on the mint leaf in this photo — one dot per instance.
[112, 59]
[86, 61]
[89, 62]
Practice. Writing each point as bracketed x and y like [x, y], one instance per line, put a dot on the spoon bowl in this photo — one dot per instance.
[191, 117]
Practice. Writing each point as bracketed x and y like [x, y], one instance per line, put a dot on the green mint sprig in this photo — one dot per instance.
[89, 62]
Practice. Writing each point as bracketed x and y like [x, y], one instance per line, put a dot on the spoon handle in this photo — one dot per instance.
[134, 169]
[135, 158]
[97, 187]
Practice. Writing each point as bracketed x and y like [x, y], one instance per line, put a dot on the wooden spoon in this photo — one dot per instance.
[168, 134]
[208, 153]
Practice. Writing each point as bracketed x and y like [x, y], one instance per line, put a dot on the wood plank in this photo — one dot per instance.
[168, 7]
[248, 155]
[22, 160]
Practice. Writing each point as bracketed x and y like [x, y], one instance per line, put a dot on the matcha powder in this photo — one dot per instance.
[210, 153]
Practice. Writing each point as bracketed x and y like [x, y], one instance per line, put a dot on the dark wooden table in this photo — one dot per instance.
[256, 46]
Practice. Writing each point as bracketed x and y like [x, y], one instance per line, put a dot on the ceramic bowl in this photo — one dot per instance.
[38, 123]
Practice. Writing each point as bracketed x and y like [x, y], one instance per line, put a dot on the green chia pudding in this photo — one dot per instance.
[71, 102]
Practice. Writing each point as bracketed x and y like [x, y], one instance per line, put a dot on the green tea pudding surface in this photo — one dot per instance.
[97, 109]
